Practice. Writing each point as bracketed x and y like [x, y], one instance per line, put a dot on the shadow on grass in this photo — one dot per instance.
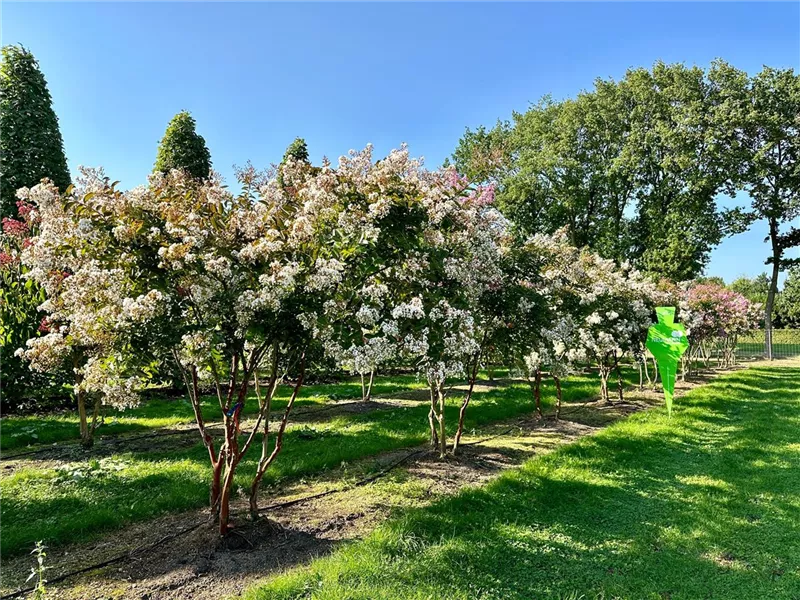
[705, 505]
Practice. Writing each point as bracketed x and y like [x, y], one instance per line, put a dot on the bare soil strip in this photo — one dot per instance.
[199, 565]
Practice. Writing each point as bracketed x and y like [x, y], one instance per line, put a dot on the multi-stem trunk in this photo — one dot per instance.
[432, 416]
[366, 390]
[463, 410]
[264, 415]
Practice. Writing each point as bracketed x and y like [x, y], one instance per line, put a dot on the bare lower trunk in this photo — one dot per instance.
[464, 405]
[87, 439]
[225, 497]
[266, 460]
[641, 378]
[605, 373]
[557, 381]
[432, 417]
[369, 386]
[442, 432]
[773, 286]
[619, 377]
[536, 390]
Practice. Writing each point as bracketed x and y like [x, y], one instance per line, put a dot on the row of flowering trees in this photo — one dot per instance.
[715, 317]
[376, 262]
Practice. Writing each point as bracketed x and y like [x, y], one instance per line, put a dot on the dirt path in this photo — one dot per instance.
[197, 565]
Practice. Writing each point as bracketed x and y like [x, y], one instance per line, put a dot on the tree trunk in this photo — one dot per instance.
[369, 387]
[87, 439]
[605, 373]
[558, 396]
[442, 432]
[773, 286]
[536, 390]
[432, 417]
[464, 405]
[225, 497]
[265, 461]
[619, 377]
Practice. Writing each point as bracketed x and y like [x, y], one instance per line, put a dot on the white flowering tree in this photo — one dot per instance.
[596, 312]
[95, 317]
[441, 253]
[232, 288]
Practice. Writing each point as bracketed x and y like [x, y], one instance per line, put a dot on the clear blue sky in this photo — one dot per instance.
[255, 76]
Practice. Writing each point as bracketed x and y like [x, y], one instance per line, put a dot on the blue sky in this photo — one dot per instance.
[256, 75]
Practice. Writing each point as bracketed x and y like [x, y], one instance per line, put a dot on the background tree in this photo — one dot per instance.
[183, 148]
[297, 151]
[755, 289]
[31, 147]
[679, 168]
[787, 305]
[769, 122]
[632, 168]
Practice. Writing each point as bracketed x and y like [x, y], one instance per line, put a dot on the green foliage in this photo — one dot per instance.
[787, 308]
[183, 148]
[763, 118]
[483, 155]
[699, 506]
[19, 321]
[632, 168]
[754, 289]
[31, 147]
[37, 572]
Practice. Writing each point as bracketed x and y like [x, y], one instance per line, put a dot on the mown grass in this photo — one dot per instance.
[20, 431]
[703, 505]
[91, 496]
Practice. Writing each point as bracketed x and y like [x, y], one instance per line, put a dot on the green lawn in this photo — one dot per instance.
[20, 431]
[98, 495]
[705, 505]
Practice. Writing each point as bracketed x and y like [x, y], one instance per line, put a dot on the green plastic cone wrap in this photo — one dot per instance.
[666, 340]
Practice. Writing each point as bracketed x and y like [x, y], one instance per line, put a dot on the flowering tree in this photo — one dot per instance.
[19, 301]
[231, 288]
[440, 253]
[595, 311]
[715, 317]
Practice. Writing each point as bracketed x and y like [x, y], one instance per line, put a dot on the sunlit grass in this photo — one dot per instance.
[703, 505]
[91, 496]
[20, 431]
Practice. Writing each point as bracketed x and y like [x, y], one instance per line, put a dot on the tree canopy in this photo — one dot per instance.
[631, 167]
[183, 148]
[31, 147]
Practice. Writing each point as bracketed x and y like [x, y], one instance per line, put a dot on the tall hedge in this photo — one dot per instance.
[183, 148]
[31, 146]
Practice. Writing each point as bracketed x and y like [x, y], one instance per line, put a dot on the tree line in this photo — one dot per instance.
[635, 167]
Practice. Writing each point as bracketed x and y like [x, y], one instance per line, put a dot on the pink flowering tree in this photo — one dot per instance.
[715, 317]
